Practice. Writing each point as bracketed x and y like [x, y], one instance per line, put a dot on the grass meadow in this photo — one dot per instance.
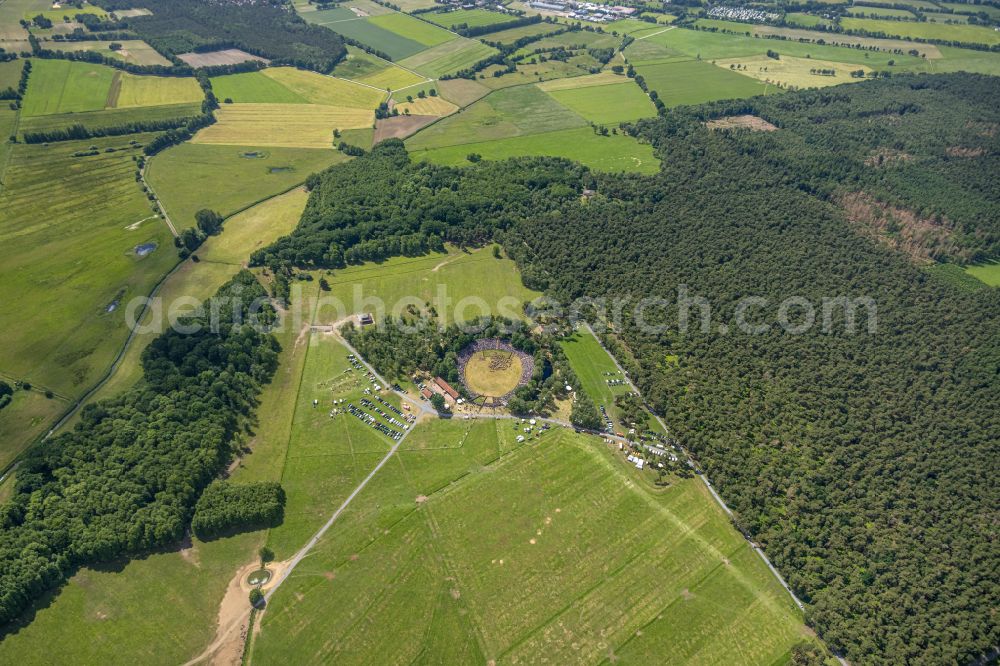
[988, 272]
[10, 73]
[449, 57]
[318, 89]
[792, 71]
[511, 35]
[189, 177]
[614, 153]
[607, 104]
[503, 114]
[462, 92]
[254, 88]
[69, 257]
[221, 257]
[412, 28]
[468, 547]
[169, 599]
[972, 34]
[28, 416]
[133, 91]
[285, 85]
[466, 278]
[394, 44]
[62, 86]
[69, 87]
[570, 40]
[590, 363]
[472, 18]
[697, 81]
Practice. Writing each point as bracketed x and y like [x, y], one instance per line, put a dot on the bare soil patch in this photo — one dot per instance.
[752, 123]
[885, 157]
[921, 239]
[962, 151]
[400, 127]
[224, 57]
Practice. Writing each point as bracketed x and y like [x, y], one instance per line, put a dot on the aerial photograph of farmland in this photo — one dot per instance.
[499, 332]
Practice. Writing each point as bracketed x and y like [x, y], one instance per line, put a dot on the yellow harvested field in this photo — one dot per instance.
[282, 125]
[601, 79]
[791, 71]
[428, 106]
[393, 78]
[320, 89]
[155, 90]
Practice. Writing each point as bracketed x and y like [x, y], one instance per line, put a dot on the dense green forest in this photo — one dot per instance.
[225, 508]
[865, 462]
[267, 28]
[383, 206]
[125, 480]
[928, 144]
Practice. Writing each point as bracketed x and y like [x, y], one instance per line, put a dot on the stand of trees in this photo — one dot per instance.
[77, 131]
[398, 352]
[864, 463]
[226, 508]
[180, 135]
[6, 394]
[125, 480]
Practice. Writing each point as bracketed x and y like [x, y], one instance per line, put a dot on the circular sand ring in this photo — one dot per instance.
[494, 369]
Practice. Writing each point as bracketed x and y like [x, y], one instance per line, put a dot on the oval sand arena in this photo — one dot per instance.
[493, 372]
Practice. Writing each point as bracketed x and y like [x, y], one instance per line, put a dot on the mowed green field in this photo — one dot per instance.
[412, 28]
[397, 35]
[613, 154]
[697, 81]
[28, 416]
[189, 177]
[464, 285]
[470, 548]
[129, 90]
[62, 86]
[591, 363]
[511, 35]
[68, 256]
[972, 34]
[286, 85]
[220, 257]
[449, 57]
[988, 272]
[570, 40]
[471, 18]
[607, 104]
[503, 114]
[10, 73]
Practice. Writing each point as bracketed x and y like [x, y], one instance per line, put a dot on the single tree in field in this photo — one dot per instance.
[208, 221]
